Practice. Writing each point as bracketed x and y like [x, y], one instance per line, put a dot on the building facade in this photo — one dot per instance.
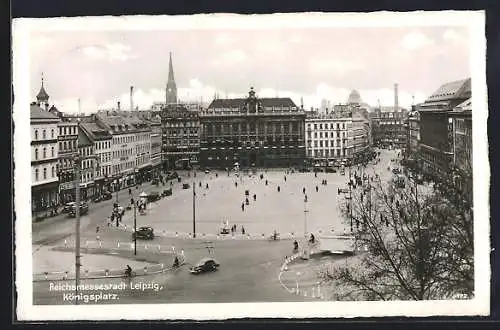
[436, 126]
[102, 142]
[156, 143]
[462, 146]
[44, 160]
[180, 136]
[88, 165]
[328, 138]
[261, 132]
[68, 149]
[130, 147]
[388, 127]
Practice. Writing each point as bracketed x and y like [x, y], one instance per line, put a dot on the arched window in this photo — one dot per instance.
[52, 152]
[36, 134]
[36, 153]
[53, 172]
[52, 133]
[44, 153]
[44, 173]
[44, 135]
[36, 174]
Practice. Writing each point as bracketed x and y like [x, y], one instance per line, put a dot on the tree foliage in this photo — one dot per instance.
[415, 242]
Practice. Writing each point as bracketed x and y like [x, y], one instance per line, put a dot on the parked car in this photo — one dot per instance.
[185, 186]
[396, 171]
[84, 209]
[145, 232]
[153, 196]
[167, 192]
[106, 196]
[205, 265]
[67, 207]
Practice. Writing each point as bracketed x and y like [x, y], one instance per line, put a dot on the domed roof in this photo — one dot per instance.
[354, 97]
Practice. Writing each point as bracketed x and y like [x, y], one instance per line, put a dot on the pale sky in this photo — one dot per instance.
[313, 63]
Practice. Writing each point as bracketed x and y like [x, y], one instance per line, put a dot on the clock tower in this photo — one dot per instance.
[171, 90]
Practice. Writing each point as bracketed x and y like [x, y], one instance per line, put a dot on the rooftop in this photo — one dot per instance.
[452, 90]
[83, 139]
[240, 103]
[36, 112]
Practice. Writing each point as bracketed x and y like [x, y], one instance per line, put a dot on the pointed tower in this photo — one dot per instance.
[42, 98]
[171, 91]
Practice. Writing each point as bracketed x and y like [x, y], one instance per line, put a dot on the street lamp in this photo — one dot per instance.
[194, 210]
[305, 216]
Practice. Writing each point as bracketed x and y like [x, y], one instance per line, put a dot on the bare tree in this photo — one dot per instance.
[415, 243]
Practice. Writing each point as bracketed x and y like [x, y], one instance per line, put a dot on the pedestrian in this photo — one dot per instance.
[266, 182]
[200, 184]
[254, 197]
[243, 206]
[216, 175]
[317, 188]
[285, 178]
[129, 191]
[315, 174]
[97, 229]
[236, 184]
[207, 186]
[242, 230]
[304, 190]
[279, 188]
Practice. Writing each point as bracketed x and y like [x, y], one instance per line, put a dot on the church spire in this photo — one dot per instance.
[42, 97]
[171, 92]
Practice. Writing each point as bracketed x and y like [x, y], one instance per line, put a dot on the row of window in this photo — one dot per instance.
[325, 126]
[123, 153]
[105, 157]
[45, 172]
[44, 153]
[103, 145]
[325, 135]
[182, 124]
[122, 167]
[67, 145]
[131, 138]
[328, 153]
[84, 152]
[186, 131]
[68, 130]
[339, 142]
[44, 134]
[235, 127]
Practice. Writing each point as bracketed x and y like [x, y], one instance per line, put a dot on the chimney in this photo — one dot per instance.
[396, 103]
[118, 105]
[131, 98]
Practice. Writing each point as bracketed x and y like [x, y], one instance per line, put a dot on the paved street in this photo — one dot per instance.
[250, 268]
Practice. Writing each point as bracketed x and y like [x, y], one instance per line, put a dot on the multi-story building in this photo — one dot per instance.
[462, 145]
[388, 127]
[328, 138]
[413, 137]
[156, 143]
[180, 136]
[88, 167]
[341, 135]
[262, 132]
[130, 147]
[44, 157]
[68, 149]
[102, 142]
[436, 143]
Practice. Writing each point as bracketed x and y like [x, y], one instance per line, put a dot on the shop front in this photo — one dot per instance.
[67, 192]
[45, 198]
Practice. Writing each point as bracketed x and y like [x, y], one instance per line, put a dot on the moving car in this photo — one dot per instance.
[205, 265]
[144, 233]
[84, 209]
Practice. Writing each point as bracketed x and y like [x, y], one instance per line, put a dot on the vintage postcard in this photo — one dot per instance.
[221, 166]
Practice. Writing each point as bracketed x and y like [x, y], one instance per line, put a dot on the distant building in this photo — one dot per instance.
[252, 131]
[413, 145]
[89, 165]
[180, 136]
[388, 127]
[436, 126]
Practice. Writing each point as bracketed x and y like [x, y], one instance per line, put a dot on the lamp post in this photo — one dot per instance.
[305, 216]
[135, 228]
[77, 223]
[194, 210]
